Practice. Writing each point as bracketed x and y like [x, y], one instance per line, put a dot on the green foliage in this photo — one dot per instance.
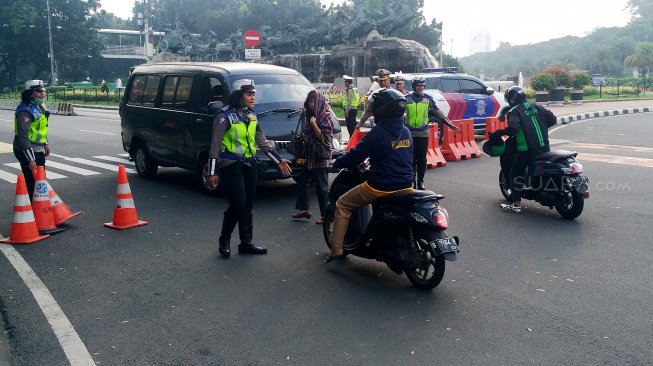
[581, 78]
[562, 77]
[543, 81]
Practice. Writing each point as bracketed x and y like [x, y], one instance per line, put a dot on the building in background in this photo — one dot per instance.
[479, 41]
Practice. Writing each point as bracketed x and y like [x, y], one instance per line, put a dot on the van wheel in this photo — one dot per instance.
[145, 165]
[203, 185]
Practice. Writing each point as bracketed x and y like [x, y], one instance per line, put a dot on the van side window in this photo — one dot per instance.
[136, 91]
[450, 85]
[151, 89]
[183, 92]
[169, 89]
[212, 90]
[471, 87]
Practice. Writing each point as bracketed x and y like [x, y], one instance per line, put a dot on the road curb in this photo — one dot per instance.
[614, 112]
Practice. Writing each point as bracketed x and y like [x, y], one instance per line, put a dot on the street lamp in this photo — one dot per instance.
[53, 73]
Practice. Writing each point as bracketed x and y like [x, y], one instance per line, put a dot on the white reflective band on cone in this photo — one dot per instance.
[123, 188]
[22, 200]
[23, 217]
[125, 203]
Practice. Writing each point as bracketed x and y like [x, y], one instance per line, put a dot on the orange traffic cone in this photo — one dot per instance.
[60, 210]
[42, 207]
[124, 215]
[23, 226]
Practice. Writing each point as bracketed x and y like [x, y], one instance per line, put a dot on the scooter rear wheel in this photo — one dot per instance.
[431, 271]
[504, 185]
[327, 227]
[573, 207]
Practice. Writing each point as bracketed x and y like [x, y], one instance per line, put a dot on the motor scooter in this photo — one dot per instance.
[406, 231]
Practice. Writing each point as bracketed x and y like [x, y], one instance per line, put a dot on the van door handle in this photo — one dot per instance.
[199, 120]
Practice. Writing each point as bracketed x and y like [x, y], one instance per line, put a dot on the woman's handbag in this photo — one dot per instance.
[298, 142]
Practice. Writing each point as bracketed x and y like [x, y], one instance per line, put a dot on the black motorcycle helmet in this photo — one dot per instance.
[515, 95]
[418, 81]
[387, 103]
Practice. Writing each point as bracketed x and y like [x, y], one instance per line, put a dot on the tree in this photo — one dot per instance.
[640, 8]
[642, 59]
[26, 40]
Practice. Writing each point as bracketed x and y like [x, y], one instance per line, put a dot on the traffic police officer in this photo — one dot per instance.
[383, 79]
[350, 103]
[31, 131]
[236, 133]
[418, 108]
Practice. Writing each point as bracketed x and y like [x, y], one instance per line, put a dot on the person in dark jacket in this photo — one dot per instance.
[232, 159]
[389, 148]
[31, 131]
[529, 125]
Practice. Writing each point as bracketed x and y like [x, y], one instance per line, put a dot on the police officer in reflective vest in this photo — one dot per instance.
[419, 107]
[232, 159]
[350, 103]
[383, 80]
[31, 131]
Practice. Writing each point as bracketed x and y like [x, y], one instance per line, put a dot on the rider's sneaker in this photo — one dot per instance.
[510, 208]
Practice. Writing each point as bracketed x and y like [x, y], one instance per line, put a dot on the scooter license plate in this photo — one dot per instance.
[575, 181]
[445, 245]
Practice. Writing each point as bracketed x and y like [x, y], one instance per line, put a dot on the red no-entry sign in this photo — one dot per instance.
[252, 38]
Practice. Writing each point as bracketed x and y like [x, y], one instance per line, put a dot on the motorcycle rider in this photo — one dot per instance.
[419, 107]
[529, 124]
[389, 147]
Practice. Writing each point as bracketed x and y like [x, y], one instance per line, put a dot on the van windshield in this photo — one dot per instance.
[276, 90]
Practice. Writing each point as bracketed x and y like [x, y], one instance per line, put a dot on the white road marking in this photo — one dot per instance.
[614, 159]
[114, 159]
[101, 133]
[5, 147]
[9, 177]
[70, 168]
[72, 345]
[113, 168]
[48, 174]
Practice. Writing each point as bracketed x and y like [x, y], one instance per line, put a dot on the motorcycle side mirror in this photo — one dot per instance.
[489, 90]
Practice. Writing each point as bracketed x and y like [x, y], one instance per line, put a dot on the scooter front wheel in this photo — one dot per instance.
[430, 270]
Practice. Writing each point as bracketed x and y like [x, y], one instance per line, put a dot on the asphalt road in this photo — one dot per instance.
[528, 288]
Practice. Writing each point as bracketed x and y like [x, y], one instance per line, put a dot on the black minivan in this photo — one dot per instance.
[168, 109]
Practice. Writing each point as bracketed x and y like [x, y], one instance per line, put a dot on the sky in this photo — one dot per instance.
[527, 21]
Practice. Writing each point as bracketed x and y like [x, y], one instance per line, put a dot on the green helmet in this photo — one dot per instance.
[494, 148]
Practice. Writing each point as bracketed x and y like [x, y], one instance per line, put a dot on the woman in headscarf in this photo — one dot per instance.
[317, 127]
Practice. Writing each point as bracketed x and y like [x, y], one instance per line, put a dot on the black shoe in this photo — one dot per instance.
[224, 248]
[420, 185]
[251, 249]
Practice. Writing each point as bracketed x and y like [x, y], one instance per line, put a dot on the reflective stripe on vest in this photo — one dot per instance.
[38, 129]
[354, 101]
[239, 139]
[417, 114]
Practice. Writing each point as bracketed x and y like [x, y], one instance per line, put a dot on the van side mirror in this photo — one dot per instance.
[489, 90]
[214, 107]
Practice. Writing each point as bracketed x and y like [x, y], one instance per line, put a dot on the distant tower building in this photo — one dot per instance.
[479, 41]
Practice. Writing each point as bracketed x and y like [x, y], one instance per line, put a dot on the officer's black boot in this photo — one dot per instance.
[420, 185]
[228, 224]
[224, 247]
[246, 231]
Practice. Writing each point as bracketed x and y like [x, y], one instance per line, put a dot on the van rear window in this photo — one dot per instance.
[151, 89]
[137, 89]
[176, 92]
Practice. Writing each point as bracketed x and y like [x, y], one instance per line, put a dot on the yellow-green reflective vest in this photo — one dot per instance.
[240, 138]
[354, 101]
[38, 129]
[417, 114]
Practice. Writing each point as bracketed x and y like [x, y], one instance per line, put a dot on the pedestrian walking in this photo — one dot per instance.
[317, 129]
